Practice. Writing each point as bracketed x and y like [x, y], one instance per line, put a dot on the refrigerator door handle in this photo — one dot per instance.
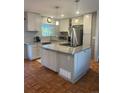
[75, 41]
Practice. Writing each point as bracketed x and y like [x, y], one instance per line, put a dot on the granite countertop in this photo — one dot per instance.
[65, 49]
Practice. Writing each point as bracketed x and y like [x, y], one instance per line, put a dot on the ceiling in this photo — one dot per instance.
[67, 7]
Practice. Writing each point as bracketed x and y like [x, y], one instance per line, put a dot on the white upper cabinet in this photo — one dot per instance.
[64, 25]
[87, 23]
[32, 21]
[77, 21]
[87, 20]
[38, 22]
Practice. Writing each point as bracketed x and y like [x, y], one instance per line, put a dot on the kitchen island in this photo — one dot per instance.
[70, 62]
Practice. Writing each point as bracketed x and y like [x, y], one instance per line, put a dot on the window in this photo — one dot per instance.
[48, 29]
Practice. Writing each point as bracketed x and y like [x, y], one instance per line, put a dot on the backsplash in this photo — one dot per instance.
[29, 35]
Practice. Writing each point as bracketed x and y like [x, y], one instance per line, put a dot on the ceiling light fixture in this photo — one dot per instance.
[57, 7]
[77, 7]
[76, 20]
[62, 14]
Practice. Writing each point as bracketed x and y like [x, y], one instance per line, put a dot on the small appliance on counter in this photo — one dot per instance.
[37, 39]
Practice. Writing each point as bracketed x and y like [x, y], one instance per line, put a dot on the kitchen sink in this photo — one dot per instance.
[66, 44]
[44, 43]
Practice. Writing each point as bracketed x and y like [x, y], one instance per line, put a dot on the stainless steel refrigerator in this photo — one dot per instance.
[76, 35]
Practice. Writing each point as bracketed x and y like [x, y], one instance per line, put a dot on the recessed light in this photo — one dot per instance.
[62, 15]
[51, 16]
[76, 20]
[77, 12]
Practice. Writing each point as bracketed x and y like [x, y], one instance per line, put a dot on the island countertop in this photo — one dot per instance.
[65, 49]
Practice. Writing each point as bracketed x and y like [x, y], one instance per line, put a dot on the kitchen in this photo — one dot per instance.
[62, 41]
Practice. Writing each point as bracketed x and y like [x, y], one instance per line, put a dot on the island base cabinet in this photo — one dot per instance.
[73, 67]
[70, 67]
[66, 65]
[49, 59]
[81, 63]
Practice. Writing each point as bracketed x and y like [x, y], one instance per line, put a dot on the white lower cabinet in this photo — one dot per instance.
[44, 57]
[25, 51]
[33, 51]
[73, 67]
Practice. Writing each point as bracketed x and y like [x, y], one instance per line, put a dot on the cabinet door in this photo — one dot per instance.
[25, 21]
[48, 59]
[25, 51]
[52, 60]
[64, 25]
[87, 19]
[38, 22]
[77, 20]
[66, 65]
[38, 51]
[31, 22]
[66, 61]
[44, 57]
[29, 50]
[34, 51]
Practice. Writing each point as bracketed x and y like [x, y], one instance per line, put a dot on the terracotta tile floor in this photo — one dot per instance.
[38, 79]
